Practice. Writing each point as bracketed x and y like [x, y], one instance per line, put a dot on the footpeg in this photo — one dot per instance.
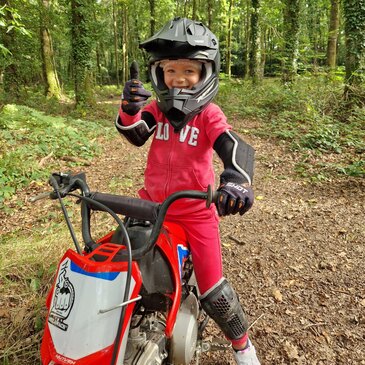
[216, 345]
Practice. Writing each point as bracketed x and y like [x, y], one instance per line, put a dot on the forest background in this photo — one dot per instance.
[297, 64]
[294, 68]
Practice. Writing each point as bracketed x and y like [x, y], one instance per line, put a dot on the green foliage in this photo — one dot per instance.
[324, 138]
[22, 40]
[84, 44]
[28, 261]
[28, 138]
[309, 116]
[10, 20]
[354, 14]
[356, 169]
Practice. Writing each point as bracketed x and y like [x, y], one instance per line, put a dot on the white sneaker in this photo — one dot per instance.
[247, 356]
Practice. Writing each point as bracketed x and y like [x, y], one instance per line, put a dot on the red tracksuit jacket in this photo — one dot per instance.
[179, 160]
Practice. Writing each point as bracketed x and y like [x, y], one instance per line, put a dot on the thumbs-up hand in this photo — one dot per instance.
[134, 94]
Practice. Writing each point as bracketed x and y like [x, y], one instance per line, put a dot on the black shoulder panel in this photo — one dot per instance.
[238, 158]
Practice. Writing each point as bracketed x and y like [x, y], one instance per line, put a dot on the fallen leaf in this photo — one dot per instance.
[290, 313]
[291, 351]
[289, 283]
[4, 313]
[327, 337]
[19, 316]
[277, 295]
[297, 268]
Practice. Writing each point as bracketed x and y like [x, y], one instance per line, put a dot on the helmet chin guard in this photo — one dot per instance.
[181, 105]
[182, 38]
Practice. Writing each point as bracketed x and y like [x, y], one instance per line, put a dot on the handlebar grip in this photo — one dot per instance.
[125, 205]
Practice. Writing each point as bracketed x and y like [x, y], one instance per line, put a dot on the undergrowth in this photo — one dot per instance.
[28, 264]
[32, 143]
[312, 118]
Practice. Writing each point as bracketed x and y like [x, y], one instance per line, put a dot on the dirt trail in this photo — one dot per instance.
[296, 259]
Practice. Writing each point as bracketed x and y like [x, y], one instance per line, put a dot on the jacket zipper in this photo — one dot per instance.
[172, 150]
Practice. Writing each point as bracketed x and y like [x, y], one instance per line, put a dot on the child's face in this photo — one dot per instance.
[181, 74]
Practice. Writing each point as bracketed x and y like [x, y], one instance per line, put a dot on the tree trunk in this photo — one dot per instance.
[125, 66]
[116, 56]
[229, 40]
[291, 40]
[313, 29]
[255, 56]
[263, 47]
[247, 41]
[52, 84]
[354, 12]
[194, 15]
[81, 51]
[153, 17]
[333, 34]
[99, 76]
[210, 13]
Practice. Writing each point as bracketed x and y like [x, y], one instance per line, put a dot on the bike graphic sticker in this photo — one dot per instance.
[63, 299]
[182, 254]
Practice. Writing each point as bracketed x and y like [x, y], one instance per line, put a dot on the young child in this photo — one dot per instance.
[187, 128]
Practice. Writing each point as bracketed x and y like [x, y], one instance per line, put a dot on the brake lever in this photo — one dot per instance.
[65, 183]
[60, 182]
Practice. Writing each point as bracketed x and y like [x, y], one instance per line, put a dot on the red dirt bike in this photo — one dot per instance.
[129, 297]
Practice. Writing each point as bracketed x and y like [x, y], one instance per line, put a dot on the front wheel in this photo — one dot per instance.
[185, 335]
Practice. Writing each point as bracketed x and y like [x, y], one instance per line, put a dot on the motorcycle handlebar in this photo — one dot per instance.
[125, 205]
[64, 183]
[146, 210]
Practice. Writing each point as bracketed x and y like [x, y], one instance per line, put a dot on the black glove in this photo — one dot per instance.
[134, 94]
[234, 198]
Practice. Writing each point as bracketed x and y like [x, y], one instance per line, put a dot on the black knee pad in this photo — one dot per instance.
[222, 305]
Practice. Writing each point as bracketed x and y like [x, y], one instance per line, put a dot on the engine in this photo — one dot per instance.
[146, 343]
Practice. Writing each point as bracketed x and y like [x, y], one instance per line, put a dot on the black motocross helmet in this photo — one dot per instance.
[183, 38]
